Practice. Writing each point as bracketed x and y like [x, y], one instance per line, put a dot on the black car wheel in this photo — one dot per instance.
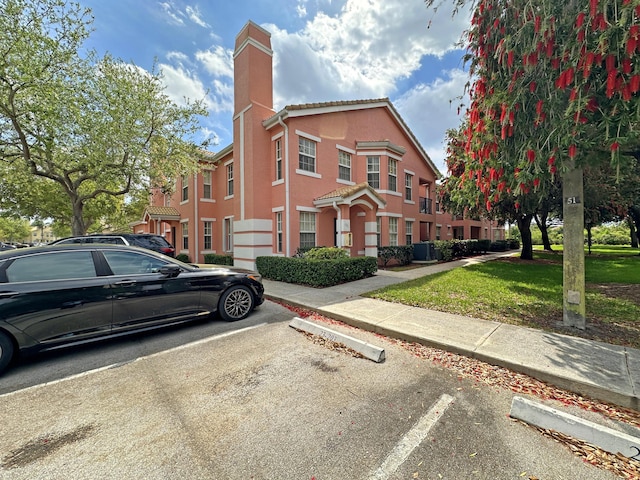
[6, 351]
[236, 303]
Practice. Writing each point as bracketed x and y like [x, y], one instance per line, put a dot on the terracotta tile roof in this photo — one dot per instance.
[341, 103]
[350, 191]
[162, 211]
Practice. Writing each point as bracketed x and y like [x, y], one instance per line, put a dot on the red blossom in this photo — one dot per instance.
[531, 155]
[615, 146]
[572, 151]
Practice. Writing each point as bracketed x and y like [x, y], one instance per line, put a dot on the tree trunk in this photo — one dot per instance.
[589, 238]
[634, 225]
[524, 226]
[78, 226]
[541, 221]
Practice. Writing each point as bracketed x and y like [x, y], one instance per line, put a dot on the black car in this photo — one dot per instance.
[157, 243]
[61, 295]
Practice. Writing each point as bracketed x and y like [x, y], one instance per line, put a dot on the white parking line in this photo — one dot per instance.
[412, 439]
[114, 365]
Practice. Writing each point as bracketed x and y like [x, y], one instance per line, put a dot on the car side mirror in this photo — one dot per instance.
[170, 270]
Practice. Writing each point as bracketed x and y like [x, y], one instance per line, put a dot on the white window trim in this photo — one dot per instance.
[308, 136]
[308, 174]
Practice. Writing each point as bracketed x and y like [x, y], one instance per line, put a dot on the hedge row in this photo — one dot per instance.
[316, 273]
[402, 254]
[216, 259]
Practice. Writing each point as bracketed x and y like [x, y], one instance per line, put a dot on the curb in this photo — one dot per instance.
[363, 348]
[603, 437]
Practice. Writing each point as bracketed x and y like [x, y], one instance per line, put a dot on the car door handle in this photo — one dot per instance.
[126, 283]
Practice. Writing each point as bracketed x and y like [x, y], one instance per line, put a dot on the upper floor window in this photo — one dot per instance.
[279, 159]
[230, 179]
[206, 184]
[373, 171]
[344, 166]
[185, 188]
[307, 154]
[393, 175]
[408, 184]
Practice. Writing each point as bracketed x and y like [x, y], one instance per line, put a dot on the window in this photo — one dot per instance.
[185, 235]
[278, 159]
[132, 263]
[279, 232]
[206, 184]
[307, 154]
[393, 232]
[373, 172]
[438, 207]
[438, 232]
[408, 192]
[307, 229]
[185, 188]
[344, 166]
[393, 175]
[378, 231]
[53, 266]
[408, 232]
[230, 179]
[207, 231]
[228, 234]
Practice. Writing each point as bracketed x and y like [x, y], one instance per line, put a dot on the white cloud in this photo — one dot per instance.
[182, 84]
[195, 16]
[217, 61]
[430, 110]
[173, 16]
[361, 52]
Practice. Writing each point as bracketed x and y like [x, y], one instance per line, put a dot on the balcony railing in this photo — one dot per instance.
[426, 205]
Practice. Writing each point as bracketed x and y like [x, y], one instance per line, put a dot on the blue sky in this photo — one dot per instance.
[324, 50]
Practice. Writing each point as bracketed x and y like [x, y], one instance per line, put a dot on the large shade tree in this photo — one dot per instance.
[552, 83]
[78, 132]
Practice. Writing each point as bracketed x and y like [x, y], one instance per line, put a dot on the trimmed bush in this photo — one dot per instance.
[316, 272]
[215, 259]
[183, 257]
[402, 254]
[325, 253]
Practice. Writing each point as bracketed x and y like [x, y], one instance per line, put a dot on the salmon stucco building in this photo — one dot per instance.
[349, 174]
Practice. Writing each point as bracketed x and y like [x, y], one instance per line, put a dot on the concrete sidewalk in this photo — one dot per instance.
[607, 372]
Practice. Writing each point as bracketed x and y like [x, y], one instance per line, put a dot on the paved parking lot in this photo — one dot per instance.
[266, 402]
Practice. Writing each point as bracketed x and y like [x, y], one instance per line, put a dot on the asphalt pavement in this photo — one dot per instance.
[609, 373]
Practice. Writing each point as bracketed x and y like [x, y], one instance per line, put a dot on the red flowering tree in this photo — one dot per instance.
[553, 82]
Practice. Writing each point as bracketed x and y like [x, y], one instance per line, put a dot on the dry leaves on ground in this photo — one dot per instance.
[500, 377]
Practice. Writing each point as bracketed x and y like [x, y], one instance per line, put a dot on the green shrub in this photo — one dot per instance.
[325, 253]
[216, 259]
[316, 272]
[402, 254]
[444, 250]
[183, 257]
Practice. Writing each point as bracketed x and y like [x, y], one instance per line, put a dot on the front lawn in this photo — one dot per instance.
[529, 293]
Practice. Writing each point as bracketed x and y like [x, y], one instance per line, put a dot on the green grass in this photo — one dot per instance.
[529, 293]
